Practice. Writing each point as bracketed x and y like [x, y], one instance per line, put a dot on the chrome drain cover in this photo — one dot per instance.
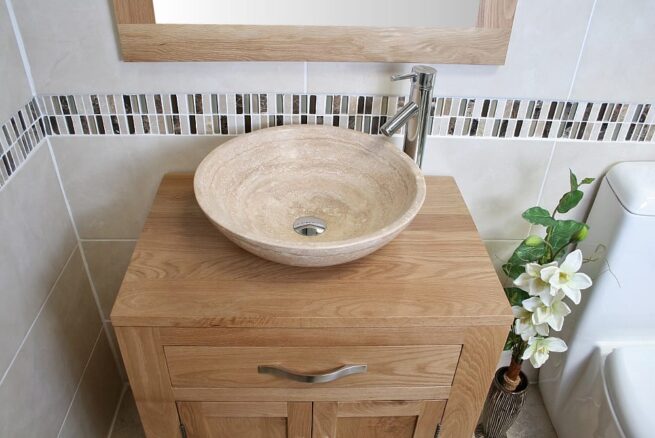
[309, 226]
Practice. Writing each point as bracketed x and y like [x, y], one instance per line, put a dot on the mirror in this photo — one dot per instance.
[371, 13]
[413, 31]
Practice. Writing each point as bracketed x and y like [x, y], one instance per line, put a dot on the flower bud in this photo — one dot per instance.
[533, 241]
[581, 235]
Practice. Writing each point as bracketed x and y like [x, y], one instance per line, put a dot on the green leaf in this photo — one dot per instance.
[574, 181]
[527, 253]
[513, 271]
[516, 295]
[561, 234]
[538, 216]
[587, 181]
[569, 201]
[523, 254]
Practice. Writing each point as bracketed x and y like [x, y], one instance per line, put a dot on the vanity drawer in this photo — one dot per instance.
[237, 367]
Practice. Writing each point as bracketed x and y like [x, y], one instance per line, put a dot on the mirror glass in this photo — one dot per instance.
[370, 13]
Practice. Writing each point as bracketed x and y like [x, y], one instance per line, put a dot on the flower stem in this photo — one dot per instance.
[512, 376]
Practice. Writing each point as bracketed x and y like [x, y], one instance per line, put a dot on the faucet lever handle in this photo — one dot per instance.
[400, 77]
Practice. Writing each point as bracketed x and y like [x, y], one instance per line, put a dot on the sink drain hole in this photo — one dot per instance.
[309, 226]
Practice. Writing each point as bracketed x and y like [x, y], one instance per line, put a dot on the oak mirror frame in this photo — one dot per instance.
[142, 39]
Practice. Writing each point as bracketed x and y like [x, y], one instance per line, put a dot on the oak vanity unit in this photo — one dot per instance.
[220, 343]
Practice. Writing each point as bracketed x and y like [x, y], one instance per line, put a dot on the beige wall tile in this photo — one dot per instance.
[85, 57]
[543, 52]
[110, 182]
[97, 399]
[499, 179]
[15, 89]
[108, 261]
[587, 159]
[40, 384]
[37, 239]
[617, 63]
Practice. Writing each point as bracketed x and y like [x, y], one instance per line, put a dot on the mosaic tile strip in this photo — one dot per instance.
[18, 137]
[230, 114]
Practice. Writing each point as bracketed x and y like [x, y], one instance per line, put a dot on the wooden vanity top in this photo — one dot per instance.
[184, 273]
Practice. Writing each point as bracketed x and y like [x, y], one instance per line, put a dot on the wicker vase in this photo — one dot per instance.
[501, 408]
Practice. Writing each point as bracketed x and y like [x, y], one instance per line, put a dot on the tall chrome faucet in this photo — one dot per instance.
[416, 113]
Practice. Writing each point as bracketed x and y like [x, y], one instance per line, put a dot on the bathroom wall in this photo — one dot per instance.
[57, 373]
[587, 61]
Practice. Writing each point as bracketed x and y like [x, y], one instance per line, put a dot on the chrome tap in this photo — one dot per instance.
[416, 114]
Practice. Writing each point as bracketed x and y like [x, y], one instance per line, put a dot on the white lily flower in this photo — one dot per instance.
[524, 326]
[531, 280]
[567, 278]
[552, 314]
[539, 348]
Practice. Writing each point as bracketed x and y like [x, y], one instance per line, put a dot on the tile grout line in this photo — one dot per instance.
[83, 255]
[79, 383]
[118, 408]
[568, 98]
[36, 317]
[21, 47]
[582, 47]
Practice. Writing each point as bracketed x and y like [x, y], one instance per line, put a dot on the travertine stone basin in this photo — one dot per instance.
[360, 188]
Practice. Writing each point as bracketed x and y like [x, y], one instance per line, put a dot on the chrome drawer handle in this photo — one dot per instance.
[330, 376]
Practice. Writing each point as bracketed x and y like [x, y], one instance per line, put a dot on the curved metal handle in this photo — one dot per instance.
[330, 376]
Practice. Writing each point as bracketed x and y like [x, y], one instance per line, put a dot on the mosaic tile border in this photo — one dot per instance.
[232, 114]
[18, 137]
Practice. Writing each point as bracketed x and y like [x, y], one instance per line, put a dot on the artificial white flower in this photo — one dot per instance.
[524, 326]
[552, 313]
[531, 281]
[566, 277]
[538, 349]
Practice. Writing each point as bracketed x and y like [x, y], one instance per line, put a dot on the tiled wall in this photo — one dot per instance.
[57, 373]
[232, 114]
[576, 92]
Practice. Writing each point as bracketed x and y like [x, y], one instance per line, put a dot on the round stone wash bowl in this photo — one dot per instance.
[309, 195]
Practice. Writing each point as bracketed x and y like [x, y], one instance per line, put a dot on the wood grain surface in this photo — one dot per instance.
[495, 14]
[253, 420]
[134, 11]
[236, 367]
[146, 367]
[217, 42]
[185, 273]
[475, 371]
[316, 394]
[377, 419]
[195, 315]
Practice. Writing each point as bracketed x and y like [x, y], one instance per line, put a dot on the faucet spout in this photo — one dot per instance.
[407, 112]
[416, 115]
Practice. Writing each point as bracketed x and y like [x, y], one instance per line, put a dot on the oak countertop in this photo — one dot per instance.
[185, 273]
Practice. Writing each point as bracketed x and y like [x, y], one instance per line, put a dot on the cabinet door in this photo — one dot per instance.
[377, 419]
[252, 420]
